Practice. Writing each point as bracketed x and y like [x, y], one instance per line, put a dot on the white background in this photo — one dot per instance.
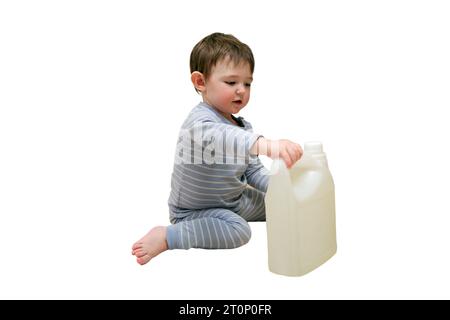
[92, 94]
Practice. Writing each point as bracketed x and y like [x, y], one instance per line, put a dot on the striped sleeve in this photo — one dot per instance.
[257, 175]
[235, 141]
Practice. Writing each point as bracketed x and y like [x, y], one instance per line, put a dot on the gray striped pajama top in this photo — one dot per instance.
[213, 166]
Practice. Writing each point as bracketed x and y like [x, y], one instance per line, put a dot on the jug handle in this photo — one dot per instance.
[278, 170]
[278, 165]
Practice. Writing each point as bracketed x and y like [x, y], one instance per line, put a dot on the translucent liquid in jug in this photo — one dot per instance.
[300, 213]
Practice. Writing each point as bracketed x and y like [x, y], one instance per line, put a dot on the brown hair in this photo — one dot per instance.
[217, 46]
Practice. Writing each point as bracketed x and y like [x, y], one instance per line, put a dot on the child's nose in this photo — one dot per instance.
[240, 89]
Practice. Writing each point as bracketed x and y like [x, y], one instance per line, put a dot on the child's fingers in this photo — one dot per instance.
[289, 157]
[284, 155]
[289, 151]
[295, 153]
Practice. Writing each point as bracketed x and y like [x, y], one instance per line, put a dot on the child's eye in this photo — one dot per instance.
[248, 84]
[230, 83]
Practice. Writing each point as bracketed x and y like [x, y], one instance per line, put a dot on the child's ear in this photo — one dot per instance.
[198, 80]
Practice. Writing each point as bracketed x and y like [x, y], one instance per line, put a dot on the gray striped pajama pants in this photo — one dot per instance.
[216, 228]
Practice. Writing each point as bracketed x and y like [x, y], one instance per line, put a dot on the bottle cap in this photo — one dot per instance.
[313, 147]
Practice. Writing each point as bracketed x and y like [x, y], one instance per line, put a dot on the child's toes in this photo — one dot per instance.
[140, 253]
[143, 260]
[137, 245]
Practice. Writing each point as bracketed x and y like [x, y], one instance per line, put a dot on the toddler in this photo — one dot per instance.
[218, 182]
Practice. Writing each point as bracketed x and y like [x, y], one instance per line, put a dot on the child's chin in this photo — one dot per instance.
[237, 107]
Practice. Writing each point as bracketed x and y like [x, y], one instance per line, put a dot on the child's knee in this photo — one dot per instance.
[244, 233]
[247, 236]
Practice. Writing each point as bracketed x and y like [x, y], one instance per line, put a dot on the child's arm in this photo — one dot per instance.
[257, 175]
[226, 139]
[284, 149]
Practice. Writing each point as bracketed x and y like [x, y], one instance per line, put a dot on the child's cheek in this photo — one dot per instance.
[227, 97]
[247, 96]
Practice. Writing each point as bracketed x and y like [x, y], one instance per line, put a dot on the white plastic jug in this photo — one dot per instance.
[300, 214]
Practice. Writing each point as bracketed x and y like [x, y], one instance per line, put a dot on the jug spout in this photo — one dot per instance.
[314, 150]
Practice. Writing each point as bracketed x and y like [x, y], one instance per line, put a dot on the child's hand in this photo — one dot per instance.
[284, 149]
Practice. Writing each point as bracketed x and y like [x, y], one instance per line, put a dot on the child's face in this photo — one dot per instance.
[228, 87]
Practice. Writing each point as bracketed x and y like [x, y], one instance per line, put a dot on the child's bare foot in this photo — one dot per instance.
[152, 244]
